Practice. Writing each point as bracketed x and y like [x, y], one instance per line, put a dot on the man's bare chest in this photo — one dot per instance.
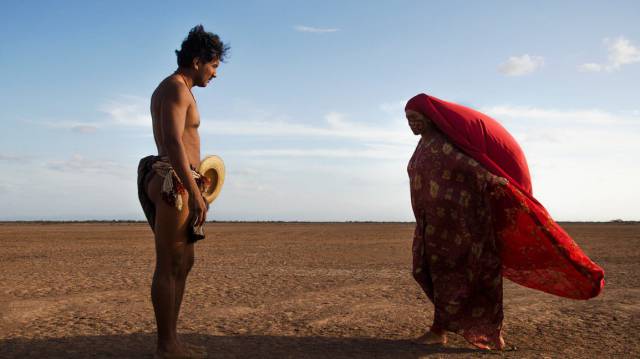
[193, 117]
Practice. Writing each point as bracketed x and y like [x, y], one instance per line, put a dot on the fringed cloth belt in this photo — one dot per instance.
[172, 189]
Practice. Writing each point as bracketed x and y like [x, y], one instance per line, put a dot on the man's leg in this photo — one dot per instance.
[180, 284]
[181, 281]
[171, 255]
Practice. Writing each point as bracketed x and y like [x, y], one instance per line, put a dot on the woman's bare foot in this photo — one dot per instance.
[497, 345]
[431, 338]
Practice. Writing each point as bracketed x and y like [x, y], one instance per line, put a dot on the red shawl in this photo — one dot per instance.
[536, 251]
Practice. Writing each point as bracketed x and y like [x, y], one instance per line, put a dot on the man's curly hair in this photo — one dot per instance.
[200, 43]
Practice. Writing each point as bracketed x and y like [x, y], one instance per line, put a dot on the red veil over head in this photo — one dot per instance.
[536, 251]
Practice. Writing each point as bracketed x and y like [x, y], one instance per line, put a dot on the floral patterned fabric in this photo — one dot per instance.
[456, 253]
[535, 251]
[473, 228]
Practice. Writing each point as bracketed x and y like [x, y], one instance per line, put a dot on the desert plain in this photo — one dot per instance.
[287, 290]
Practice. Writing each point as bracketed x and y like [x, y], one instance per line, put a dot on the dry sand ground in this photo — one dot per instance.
[286, 291]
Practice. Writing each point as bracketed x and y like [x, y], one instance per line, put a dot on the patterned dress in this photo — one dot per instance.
[456, 253]
[480, 205]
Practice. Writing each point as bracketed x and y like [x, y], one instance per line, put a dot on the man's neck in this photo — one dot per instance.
[186, 75]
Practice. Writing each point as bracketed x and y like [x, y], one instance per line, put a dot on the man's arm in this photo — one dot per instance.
[173, 116]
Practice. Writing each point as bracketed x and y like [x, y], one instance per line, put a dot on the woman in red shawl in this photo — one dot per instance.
[477, 221]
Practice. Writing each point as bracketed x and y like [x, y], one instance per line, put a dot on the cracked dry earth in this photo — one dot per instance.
[286, 290]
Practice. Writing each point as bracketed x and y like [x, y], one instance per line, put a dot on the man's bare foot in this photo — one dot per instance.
[199, 351]
[174, 354]
[181, 351]
[431, 338]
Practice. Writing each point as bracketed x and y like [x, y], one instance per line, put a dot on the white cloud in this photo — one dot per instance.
[570, 152]
[75, 126]
[315, 30]
[522, 65]
[124, 111]
[70, 191]
[591, 67]
[620, 52]
[128, 111]
[583, 161]
[336, 126]
[79, 164]
[359, 140]
[13, 158]
[591, 116]
[394, 109]
[372, 152]
[85, 129]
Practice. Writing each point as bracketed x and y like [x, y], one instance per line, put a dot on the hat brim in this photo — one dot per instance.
[212, 167]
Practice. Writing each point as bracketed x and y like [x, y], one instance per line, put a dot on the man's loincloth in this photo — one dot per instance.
[172, 190]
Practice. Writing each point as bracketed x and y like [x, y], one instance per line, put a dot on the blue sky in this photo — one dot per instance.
[308, 111]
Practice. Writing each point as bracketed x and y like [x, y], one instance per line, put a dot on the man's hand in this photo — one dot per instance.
[198, 209]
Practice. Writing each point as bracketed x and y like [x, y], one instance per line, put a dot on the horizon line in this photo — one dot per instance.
[79, 221]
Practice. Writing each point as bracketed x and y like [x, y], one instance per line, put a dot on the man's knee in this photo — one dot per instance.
[178, 261]
[183, 260]
[172, 261]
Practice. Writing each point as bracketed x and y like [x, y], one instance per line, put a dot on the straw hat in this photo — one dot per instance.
[212, 167]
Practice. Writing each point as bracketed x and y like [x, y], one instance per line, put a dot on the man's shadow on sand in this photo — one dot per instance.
[141, 345]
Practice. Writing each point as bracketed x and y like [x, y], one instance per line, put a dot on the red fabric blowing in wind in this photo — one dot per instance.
[536, 252]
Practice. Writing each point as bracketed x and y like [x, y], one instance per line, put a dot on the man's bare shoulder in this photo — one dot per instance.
[173, 88]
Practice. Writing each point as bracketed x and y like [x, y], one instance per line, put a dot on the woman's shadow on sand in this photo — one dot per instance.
[141, 345]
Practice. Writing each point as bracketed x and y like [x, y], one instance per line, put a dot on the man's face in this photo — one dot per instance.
[417, 121]
[206, 71]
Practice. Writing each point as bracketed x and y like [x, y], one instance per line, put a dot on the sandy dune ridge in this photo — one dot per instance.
[286, 290]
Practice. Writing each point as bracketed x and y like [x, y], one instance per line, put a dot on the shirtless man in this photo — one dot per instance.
[169, 180]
